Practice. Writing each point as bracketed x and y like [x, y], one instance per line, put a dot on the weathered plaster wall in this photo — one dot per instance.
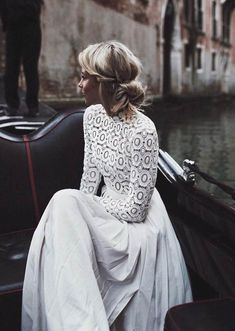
[70, 26]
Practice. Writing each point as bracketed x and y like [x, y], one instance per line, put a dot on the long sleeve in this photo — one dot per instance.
[134, 207]
[91, 176]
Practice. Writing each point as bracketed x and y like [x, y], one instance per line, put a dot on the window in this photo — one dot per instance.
[199, 15]
[213, 61]
[199, 58]
[226, 24]
[187, 11]
[214, 22]
[186, 56]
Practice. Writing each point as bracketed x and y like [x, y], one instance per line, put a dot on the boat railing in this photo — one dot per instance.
[190, 166]
[172, 170]
[187, 173]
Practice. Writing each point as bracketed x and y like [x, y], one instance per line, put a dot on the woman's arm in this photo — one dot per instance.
[91, 176]
[144, 151]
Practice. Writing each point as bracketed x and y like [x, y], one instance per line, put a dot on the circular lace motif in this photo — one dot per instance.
[139, 196]
[147, 159]
[136, 159]
[125, 153]
[144, 178]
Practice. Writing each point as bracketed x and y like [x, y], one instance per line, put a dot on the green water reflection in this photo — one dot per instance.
[201, 130]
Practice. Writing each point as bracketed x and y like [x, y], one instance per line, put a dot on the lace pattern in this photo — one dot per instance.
[125, 153]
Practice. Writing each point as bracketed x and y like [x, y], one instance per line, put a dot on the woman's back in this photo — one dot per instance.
[124, 151]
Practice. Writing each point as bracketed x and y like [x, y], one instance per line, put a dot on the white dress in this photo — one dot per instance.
[112, 261]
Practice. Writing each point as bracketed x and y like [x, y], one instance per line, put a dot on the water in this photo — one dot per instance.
[203, 131]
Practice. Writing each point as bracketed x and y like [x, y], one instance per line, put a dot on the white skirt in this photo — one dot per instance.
[87, 271]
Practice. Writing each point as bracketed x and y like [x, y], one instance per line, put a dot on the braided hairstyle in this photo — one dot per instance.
[117, 70]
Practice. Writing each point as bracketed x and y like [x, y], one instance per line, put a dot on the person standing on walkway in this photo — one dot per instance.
[21, 23]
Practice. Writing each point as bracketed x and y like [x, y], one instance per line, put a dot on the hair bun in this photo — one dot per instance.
[131, 93]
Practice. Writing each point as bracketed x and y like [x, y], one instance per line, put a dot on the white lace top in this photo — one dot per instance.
[125, 153]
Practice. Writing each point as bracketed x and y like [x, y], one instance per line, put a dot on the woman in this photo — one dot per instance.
[109, 261]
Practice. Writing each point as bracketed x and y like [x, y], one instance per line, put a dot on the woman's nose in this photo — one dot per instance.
[79, 87]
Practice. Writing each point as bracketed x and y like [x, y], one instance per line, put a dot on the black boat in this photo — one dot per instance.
[38, 160]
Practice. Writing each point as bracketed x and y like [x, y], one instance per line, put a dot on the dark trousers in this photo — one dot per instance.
[23, 44]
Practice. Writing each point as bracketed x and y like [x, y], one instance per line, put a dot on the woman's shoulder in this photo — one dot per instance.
[144, 123]
[92, 112]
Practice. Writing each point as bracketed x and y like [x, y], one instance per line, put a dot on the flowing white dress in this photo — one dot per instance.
[112, 261]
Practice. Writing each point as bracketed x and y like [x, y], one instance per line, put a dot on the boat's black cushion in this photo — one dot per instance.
[10, 311]
[15, 193]
[211, 315]
[13, 254]
[33, 168]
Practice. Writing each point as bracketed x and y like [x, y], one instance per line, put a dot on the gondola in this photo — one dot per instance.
[36, 160]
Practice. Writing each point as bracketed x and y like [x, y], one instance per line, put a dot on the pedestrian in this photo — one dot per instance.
[21, 23]
[108, 262]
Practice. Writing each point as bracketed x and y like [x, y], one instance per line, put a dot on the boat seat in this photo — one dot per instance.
[33, 168]
[206, 315]
[13, 254]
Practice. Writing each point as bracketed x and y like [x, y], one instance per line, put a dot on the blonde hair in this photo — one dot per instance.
[117, 69]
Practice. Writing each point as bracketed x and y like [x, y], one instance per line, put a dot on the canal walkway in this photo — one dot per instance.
[44, 110]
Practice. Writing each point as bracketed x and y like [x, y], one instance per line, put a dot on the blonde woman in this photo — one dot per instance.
[112, 261]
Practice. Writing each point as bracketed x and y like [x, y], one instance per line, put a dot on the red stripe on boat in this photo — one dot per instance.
[32, 178]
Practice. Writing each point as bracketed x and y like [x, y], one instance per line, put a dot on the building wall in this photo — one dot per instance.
[70, 26]
[204, 80]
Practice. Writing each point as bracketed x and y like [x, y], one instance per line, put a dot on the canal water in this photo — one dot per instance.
[202, 130]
